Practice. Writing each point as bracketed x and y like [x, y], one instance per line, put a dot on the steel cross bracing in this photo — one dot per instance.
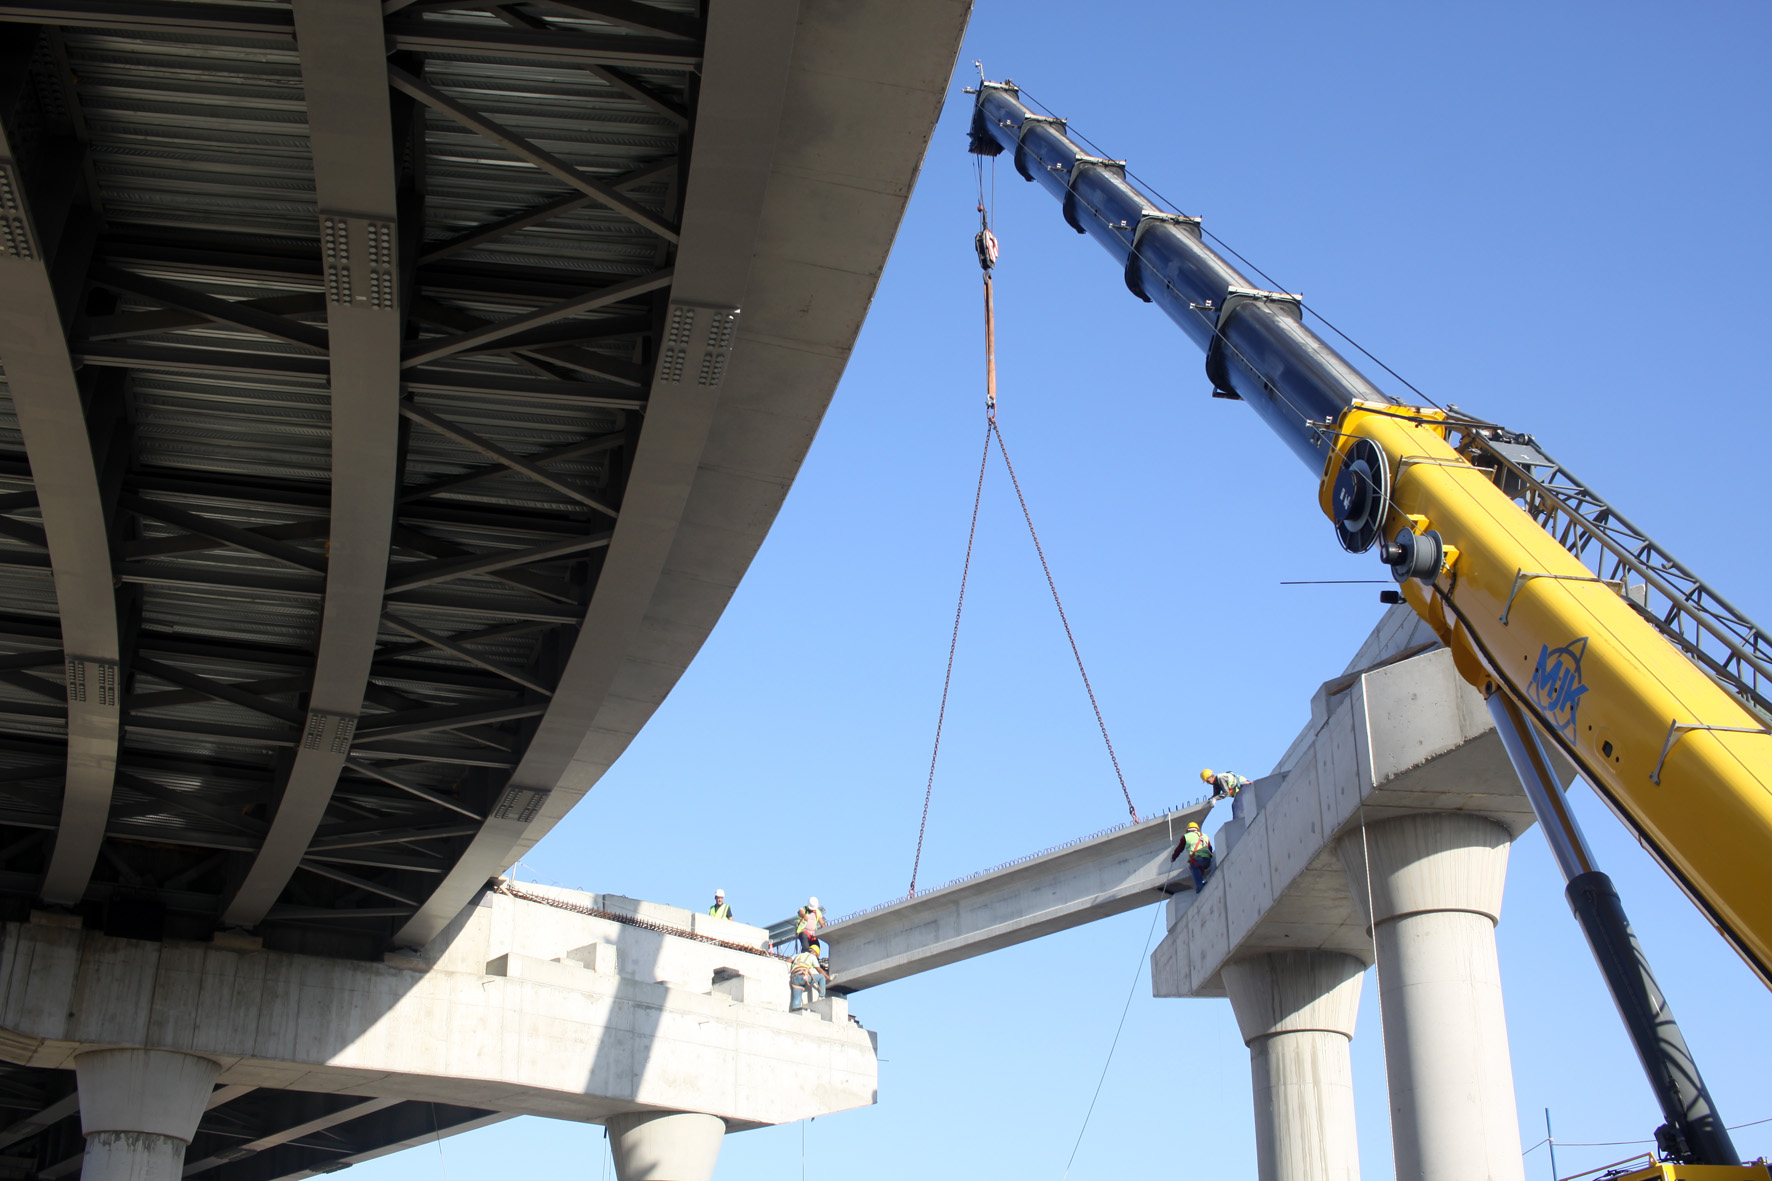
[1732, 648]
[329, 357]
[247, 1133]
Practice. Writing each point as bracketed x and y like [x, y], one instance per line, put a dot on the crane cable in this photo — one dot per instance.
[948, 680]
[986, 245]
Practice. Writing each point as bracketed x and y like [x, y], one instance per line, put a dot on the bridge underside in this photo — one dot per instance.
[381, 434]
[248, 1133]
[394, 394]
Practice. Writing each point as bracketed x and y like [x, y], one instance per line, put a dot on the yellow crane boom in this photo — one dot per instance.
[1684, 762]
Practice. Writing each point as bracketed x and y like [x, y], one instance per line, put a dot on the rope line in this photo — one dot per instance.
[1631, 1143]
[953, 644]
[505, 886]
[1130, 992]
[1062, 618]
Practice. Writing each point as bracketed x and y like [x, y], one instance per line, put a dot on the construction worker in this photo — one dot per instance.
[1198, 847]
[719, 909]
[808, 921]
[1224, 784]
[806, 978]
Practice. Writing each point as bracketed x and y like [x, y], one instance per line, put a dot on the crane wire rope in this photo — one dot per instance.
[953, 643]
[986, 244]
[1062, 618]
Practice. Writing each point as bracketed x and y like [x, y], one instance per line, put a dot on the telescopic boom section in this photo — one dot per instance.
[1685, 762]
[1247, 333]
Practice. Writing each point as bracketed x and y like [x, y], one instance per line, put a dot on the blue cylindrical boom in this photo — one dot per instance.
[1257, 346]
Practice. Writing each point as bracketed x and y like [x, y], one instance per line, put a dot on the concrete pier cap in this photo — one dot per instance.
[1432, 861]
[139, 1110]
[665, 1146]
[562, 1004]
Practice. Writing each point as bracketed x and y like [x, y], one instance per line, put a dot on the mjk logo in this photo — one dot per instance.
[1556, 686]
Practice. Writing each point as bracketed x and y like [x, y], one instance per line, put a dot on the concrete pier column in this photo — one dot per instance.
[665, 1146]
[139, 1110]
[1296, 1011]
[1436, 883]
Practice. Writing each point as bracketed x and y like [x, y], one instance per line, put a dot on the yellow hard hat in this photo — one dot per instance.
[1193, 824]
[1206, 775]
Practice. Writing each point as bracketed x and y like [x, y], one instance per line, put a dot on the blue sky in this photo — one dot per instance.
[1552, 215]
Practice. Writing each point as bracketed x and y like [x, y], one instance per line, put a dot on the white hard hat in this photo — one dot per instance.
[813, 902]
[719, 893]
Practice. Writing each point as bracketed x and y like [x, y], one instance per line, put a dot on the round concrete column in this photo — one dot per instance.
[1437, 879]
[139, 1110]
[665, 1146]
[1296, 1011]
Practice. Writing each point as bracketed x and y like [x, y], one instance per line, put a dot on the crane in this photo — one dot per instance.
[1578, 629]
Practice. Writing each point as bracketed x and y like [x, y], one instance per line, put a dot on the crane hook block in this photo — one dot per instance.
[986, 245]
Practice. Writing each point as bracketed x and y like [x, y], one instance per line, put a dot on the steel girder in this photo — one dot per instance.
[360, 382]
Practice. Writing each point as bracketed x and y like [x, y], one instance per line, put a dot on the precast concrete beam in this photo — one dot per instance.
[1104, 875]
[139, 1110]
[350, 133]
[1435, 896]
[1296, 1012]
[667, 1146]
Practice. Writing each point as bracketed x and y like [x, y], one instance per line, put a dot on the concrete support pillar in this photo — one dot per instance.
[665, 1146]
[1296, 1011]
[1436, 883]
[139, 1110]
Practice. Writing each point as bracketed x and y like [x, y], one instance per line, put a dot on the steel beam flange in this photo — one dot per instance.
[697, 345]
[350, 131]
[52, 419]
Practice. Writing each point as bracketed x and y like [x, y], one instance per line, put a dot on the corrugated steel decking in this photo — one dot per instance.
[197, 311]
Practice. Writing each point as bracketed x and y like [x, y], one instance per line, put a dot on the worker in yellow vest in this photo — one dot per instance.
[806, 977]
[1198, 847]
[719, 909]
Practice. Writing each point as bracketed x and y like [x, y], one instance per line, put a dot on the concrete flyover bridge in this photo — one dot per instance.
[395, 392]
